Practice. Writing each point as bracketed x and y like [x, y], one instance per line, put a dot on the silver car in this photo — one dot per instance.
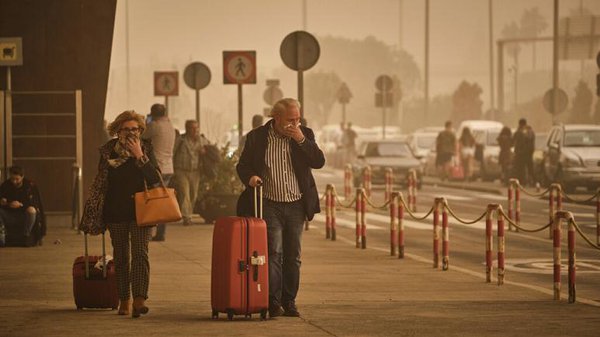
[383, 154]
[572, 156]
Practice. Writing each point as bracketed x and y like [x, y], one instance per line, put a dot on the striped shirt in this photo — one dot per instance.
[280, 183]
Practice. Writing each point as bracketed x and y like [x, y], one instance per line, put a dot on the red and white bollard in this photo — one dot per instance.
[554, 203]
[393, 224]
[367, 180]
[328, 198]
[445, 237]
[436, 232]
[511, 188]
[389, 183]
[363, 220]
[333, 213]
[348, 182]
[412, 190]
[358, 212]
[556, 230]
[489, 246]
[400, 226]
[501, 246]
[572, 265]
[517, 208]
[598, 217]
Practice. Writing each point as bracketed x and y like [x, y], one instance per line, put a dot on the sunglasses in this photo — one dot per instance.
[130, 129]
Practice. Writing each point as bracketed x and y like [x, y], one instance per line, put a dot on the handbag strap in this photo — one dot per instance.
[162, 182]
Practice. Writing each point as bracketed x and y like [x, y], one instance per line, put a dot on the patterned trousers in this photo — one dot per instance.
[136, 279]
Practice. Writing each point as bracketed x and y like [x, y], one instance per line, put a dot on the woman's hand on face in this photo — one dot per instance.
[135, 147]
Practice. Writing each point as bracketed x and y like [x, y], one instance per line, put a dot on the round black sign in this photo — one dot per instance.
[196, 75]
[300, 50]
[563, 100]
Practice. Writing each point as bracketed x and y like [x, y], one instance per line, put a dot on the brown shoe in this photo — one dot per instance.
[124, 307]
[139, 307]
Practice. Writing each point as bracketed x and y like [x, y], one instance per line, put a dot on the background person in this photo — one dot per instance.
[162, 135]
[505, 156]
[20, 206]
[125, 162]
[445, 147]
[280, 155]
[466, 149]
[524, 144]
[189, 147]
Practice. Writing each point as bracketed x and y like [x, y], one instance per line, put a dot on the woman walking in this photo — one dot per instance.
[125, 163]
[466, 148]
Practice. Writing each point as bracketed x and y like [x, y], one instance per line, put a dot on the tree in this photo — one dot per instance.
[582, 104]
[321, 93]
[532, 24]
[466, 102]
[359, 62]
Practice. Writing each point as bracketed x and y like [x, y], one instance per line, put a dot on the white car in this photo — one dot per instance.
[572, 156]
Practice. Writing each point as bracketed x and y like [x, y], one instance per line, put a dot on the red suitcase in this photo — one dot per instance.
[93, 287]
[239, 275]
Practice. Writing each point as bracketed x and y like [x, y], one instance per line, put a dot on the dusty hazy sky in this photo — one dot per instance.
[169, 34]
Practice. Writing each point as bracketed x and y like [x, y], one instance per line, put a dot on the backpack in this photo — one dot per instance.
[210, 161]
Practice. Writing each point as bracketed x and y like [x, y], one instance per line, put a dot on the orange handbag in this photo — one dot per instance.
[156, 205]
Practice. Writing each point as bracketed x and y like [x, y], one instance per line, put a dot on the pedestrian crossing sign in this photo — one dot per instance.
[239, 67]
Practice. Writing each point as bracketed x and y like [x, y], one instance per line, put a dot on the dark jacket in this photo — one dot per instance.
[93, 219]
[304, 158]
[29, 195]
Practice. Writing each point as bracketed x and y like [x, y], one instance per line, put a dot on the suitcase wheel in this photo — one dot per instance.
[79, 308]
[215, 314]
[263, 315]
[230, 314]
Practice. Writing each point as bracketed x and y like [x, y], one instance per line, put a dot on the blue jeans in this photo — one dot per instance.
[285, 223]
[161, 228]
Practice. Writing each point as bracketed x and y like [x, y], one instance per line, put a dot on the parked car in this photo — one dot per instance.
[487, 150]
[572, 156]
[383, 154]
[422, 140]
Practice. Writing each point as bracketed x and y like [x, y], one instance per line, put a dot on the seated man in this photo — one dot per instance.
[19, 207]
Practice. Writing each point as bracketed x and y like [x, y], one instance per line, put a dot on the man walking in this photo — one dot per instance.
[280, 155]
[445, 147]
[524, 145]
[186, 161]
[162, 134]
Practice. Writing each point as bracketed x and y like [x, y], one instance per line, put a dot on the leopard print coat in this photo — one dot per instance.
[92, 221]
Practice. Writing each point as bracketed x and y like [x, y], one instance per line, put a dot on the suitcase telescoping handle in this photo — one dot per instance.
[258, 201]
[87, 260]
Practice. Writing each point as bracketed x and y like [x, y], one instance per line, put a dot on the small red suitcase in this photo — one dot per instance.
[239, 275]
[92, 287]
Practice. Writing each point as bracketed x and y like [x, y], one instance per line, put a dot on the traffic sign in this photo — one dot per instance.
[272, 93]
[166, 83]
[11, 51]
[563, 100]
[384, 100]
[300, 50]
[196, 75]
[384, 83]
[239, 67]
[344, 94]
